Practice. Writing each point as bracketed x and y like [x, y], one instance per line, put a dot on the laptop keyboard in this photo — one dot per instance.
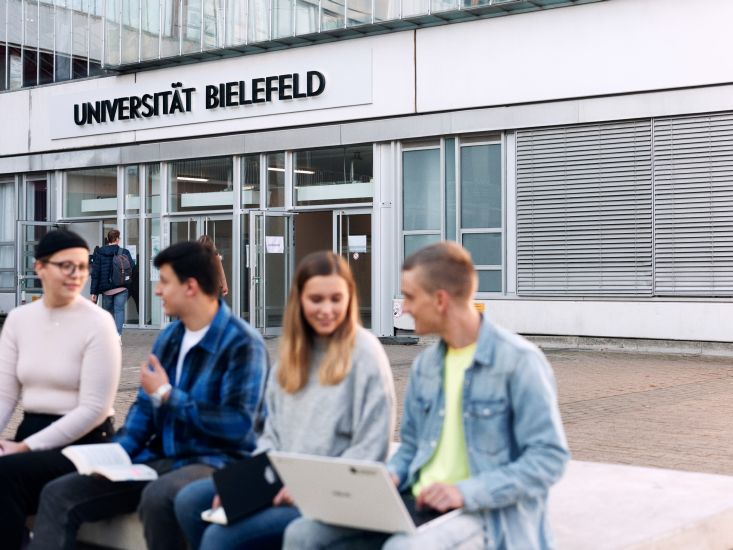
[421, 516]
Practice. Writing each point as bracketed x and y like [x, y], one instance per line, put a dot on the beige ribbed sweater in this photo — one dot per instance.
[64, 361]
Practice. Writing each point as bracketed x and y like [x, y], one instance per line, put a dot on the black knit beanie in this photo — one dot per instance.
[60, 239]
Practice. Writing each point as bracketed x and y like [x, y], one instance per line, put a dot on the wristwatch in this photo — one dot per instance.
[157, 396]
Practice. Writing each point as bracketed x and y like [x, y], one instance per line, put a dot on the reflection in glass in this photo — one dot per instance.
[90, 192]
[132, 243]
[413, 243]
[45, 43]
[171, 29]
[334, 175]
[443, 5]
[259, 21]
[485, 248]
[450, 189]
[132, 190]
[481, 186]
[332, 14]
[95, 41]
[130, 31]
[150, 24]
[30, 67]
[36, 200]
[7, 234]
[151, 275]
[276, 180]
[30, 51]
[251, 181]
[213, 24]
[360, 12]
[414, 7]
[191, 26]
[62, 23]
[489, 281]
[306, 16]
[421, 189]
[282, 18]
[152, 189]
[235, 18]
[244, 269]
[112, 33]
[201, 184]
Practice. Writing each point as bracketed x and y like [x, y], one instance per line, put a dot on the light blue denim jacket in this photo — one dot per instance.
[514, 435]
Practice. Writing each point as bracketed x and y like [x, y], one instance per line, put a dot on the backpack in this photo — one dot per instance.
[121, 272]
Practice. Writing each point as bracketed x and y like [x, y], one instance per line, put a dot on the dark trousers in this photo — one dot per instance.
[23, 475]
[73, 499]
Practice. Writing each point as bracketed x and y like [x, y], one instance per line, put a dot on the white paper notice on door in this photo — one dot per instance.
[275, 245]
[357, 243]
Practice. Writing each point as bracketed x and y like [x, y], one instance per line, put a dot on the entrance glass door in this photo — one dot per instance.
[28, 287]
[271, 268]
[219, 228]
[352, 237]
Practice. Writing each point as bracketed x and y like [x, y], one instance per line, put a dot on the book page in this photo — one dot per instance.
[87, 457]
[133, 472]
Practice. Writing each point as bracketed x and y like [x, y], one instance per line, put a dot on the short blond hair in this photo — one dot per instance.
[444, 266]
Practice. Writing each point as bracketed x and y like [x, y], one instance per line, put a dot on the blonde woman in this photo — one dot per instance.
[331, 394]
[60, 357]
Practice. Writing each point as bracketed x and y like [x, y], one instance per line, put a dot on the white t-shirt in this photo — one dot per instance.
[190, 339]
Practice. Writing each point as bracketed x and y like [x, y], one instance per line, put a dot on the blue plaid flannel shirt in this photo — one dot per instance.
[210, 416]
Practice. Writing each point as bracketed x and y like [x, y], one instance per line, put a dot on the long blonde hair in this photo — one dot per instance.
[298, 336]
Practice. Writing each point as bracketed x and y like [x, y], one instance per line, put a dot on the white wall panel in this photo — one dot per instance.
[14, 122]
[602, 48]
[707, 321]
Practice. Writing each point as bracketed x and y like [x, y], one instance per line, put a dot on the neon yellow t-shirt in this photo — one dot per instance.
[449, 463]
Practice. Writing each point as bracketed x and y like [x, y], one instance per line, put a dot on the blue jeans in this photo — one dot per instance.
[462, 532]
[262, 530]
[115, 304]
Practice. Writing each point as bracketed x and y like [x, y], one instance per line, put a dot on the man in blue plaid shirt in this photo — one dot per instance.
[199, 401]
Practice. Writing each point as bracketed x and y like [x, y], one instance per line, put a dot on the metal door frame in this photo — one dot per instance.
[256, 256]
[338, 215]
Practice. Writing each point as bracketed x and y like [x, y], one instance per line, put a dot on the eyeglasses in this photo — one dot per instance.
[69, 268]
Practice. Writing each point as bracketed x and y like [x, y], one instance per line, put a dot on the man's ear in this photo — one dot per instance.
[192, 287]
[442, 299]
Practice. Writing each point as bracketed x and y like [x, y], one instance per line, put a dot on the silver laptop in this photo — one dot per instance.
[351, 493]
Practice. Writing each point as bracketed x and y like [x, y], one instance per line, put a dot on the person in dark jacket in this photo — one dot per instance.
[114, 296]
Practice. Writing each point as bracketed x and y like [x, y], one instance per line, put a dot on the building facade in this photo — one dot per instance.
[581, 151]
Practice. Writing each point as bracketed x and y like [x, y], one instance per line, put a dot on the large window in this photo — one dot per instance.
[481, 212]
[421, 198]
[7, 234]
[203, 184]
[333, 176]
[90, 192]
[437, 204]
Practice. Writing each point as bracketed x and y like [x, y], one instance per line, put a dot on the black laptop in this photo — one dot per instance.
[247, 486]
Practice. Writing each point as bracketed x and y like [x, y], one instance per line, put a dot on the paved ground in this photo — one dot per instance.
[652, 410]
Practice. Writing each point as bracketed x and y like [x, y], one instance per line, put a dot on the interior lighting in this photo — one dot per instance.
[190, 178]
[275, 169]
[305, 172]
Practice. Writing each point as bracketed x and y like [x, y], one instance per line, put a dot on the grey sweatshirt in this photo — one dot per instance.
[354, 418]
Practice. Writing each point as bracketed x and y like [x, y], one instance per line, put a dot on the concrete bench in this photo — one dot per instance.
[613, 507]
[599, 506]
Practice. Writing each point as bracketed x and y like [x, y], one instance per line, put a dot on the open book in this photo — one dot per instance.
[109, 460]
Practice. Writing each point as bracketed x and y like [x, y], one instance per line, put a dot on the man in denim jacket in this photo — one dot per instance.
[481, 428]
